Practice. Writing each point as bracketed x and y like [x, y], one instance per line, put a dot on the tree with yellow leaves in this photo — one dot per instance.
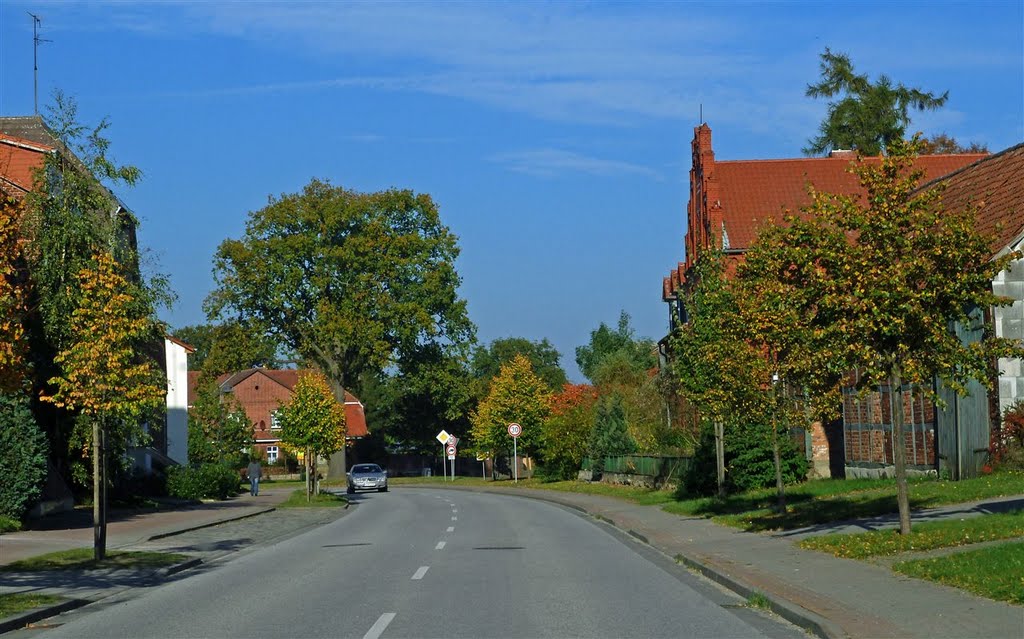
[313, 422]
[104, 374]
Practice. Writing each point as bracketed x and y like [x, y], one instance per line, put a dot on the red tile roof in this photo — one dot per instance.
[993, 185]
[752, 192]
[19, 158]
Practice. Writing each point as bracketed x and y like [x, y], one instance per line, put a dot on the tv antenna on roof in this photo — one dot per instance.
[36, 23]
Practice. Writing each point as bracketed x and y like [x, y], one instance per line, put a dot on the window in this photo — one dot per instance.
[275, 422]
[271, 454]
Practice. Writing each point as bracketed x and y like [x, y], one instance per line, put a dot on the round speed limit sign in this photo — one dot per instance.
[514, 429]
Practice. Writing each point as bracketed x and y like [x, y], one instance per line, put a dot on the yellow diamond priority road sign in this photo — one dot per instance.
[443, 437]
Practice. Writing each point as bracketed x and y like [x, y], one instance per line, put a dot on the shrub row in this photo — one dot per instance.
[208, 481]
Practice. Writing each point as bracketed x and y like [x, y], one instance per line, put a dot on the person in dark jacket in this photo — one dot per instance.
[254, 472]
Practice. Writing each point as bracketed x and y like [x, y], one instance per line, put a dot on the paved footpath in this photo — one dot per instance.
[830, 597]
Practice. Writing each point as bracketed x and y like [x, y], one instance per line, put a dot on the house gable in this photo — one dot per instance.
[731, 200]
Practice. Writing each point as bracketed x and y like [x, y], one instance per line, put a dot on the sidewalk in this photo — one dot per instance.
[65, 531]
[830, 597]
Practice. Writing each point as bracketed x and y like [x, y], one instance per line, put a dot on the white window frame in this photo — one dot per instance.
[272, 454]
[275, 424]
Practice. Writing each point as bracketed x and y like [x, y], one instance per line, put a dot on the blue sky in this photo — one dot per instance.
[554, 136]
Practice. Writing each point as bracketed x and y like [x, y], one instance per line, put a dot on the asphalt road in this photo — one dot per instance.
[433, 563]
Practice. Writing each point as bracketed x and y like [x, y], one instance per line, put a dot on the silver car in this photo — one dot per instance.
[367, 477]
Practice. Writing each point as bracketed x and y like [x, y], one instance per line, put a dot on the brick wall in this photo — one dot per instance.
[868, 428]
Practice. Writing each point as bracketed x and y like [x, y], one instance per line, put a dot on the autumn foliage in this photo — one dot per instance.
[13, 345]
[566, 431]
[102, 372]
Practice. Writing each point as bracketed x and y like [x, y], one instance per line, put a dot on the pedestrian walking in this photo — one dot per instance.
[254, 472]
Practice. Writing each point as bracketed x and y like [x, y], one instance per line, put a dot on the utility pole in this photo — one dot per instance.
[36, 23]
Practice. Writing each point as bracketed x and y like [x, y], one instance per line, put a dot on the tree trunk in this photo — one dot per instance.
[336, 463]
[720, 456]
[99, 506]
[779, 485]
[305, 467]
[898, 447]
[780, 489]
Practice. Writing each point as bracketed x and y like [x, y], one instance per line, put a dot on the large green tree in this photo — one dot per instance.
[228, 347]
[23, 458]
[894, 270]
[349, 281]
[614, 354]
[566, 431]
[428, 392]
[488, 360]
[863, 115]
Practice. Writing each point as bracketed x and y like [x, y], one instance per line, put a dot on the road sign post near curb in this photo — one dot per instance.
[443, 437]
[515, 430]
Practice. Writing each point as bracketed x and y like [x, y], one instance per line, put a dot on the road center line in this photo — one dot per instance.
[440, 545]
[377, 629]
[450, 529]
[455, 510]
[420, 572]
[455, 518]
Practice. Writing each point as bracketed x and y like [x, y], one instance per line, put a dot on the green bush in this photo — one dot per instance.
[610, 435]
[208, 481]
[749, 461]
[23, 450]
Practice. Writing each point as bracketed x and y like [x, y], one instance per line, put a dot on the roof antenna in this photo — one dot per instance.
[36, 23]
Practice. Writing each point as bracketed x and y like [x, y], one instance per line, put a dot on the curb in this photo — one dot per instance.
[19, 621]
[209, 524]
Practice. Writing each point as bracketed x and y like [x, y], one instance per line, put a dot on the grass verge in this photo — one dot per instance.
[924, 536]
[324, 500]
[14, 603]
[82, 559]
[7, 524]
[996, 572]
[819, 502]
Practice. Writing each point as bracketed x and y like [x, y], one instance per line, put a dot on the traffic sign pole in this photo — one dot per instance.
[514, 430]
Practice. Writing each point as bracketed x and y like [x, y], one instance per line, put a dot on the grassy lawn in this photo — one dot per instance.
[996, 572]
[818, 502]
[290, 483]
[924, 536]
[9, 525]
[323, 500]
[82, 559]
[12, 604]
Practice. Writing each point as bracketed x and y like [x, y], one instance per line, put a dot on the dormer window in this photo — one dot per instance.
[275, 422]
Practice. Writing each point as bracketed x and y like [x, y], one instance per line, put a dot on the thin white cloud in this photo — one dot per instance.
[554, 162]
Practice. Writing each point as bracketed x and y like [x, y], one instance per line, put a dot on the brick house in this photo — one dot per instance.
[729, 201]
[260, 392]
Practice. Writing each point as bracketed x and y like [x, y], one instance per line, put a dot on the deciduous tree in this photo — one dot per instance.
[228, 347]
[895, 270]
[313, 422]
[488, 360]
[13, 297]
[566, 431]
[865, 116]
[350, 281]
[518, 395]
[615, 353]
[105, 375]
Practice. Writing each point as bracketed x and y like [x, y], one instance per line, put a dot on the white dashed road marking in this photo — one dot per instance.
[440, 545]
[420, 572]
[455, 518]
[450, 529]
[377, 629]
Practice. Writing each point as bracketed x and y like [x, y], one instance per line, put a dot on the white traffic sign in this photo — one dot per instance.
[514, 429]
[453, 440]
[451, 451]
[443, 437]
